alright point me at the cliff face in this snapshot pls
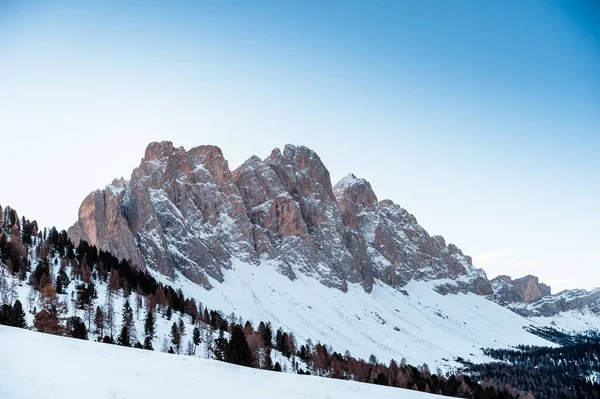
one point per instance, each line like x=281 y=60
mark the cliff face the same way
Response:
x=526 y=289
x=186 y=211
x=528 y=297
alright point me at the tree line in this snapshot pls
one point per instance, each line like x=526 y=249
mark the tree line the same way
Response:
x=550 y=373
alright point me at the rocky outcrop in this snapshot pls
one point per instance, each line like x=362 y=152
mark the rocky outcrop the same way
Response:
x=101 y=221
x=526 y=289
x=567 y=300
x=528 y=297
x=186 y=212
x=397 y=249
x=180 y=209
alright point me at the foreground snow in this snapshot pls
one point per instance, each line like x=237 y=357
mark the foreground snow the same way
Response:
x=35 y=365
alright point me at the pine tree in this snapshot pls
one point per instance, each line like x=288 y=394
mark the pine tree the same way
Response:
x=128 y=320
x=77 y=328
x=196 y=338
x=238 y=351
x=62 y=281
x=221 y=345
x=150 y=324
x=18 y=315
x=148 y=344
x=124 y=339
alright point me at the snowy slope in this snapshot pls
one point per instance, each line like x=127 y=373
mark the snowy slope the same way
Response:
x=422 y=326
x=34 y=365
x=417 y=323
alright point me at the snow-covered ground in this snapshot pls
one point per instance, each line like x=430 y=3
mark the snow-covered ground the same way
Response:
x=422 y=326
x=34 y=365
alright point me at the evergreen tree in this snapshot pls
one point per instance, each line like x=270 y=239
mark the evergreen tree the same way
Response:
x=18 y=315
x=86 y=293
x=124 y=339
x=196 y=338
x=62 y=281
x=76 y=328
x=148 y=344
x=221 y=345
x=238 y=351
x=150 y=324
x=128 y=321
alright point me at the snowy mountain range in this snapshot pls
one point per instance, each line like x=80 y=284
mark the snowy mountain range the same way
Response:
x=275 y=240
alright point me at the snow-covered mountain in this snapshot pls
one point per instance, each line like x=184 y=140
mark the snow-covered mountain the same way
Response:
x=185 y=211
x=274 y=240
x=28 y=369
x=528 y=297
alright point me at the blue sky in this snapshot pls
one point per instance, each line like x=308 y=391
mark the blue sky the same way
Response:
x=482 y=118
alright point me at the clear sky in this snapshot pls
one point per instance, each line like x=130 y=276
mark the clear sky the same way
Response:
x=482 y=118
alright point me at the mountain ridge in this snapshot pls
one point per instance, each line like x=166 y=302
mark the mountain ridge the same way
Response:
x=183 y=208
x=186 y=211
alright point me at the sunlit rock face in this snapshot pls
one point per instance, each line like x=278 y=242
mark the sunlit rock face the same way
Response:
x=186 y=211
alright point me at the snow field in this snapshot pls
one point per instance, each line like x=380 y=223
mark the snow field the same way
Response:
x=35 y=365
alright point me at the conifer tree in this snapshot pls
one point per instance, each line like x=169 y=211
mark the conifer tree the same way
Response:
x=148 y=344
x=150 y=324
x=62 y=281
x=221 y=345
x=18 y=315
x=238 y=351
x=128 y=320
x=196 y=338
x=76 y=328
x=124 y=339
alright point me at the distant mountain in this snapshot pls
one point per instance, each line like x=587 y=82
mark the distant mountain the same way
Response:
x=528 y=297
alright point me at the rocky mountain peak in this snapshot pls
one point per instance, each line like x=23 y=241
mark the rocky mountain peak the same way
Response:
x=526 y=289
x=158 y=150
x=184 y=212
x=357 y=190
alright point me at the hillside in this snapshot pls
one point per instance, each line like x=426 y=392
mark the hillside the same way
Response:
x=30 y=366
x=50 y=286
